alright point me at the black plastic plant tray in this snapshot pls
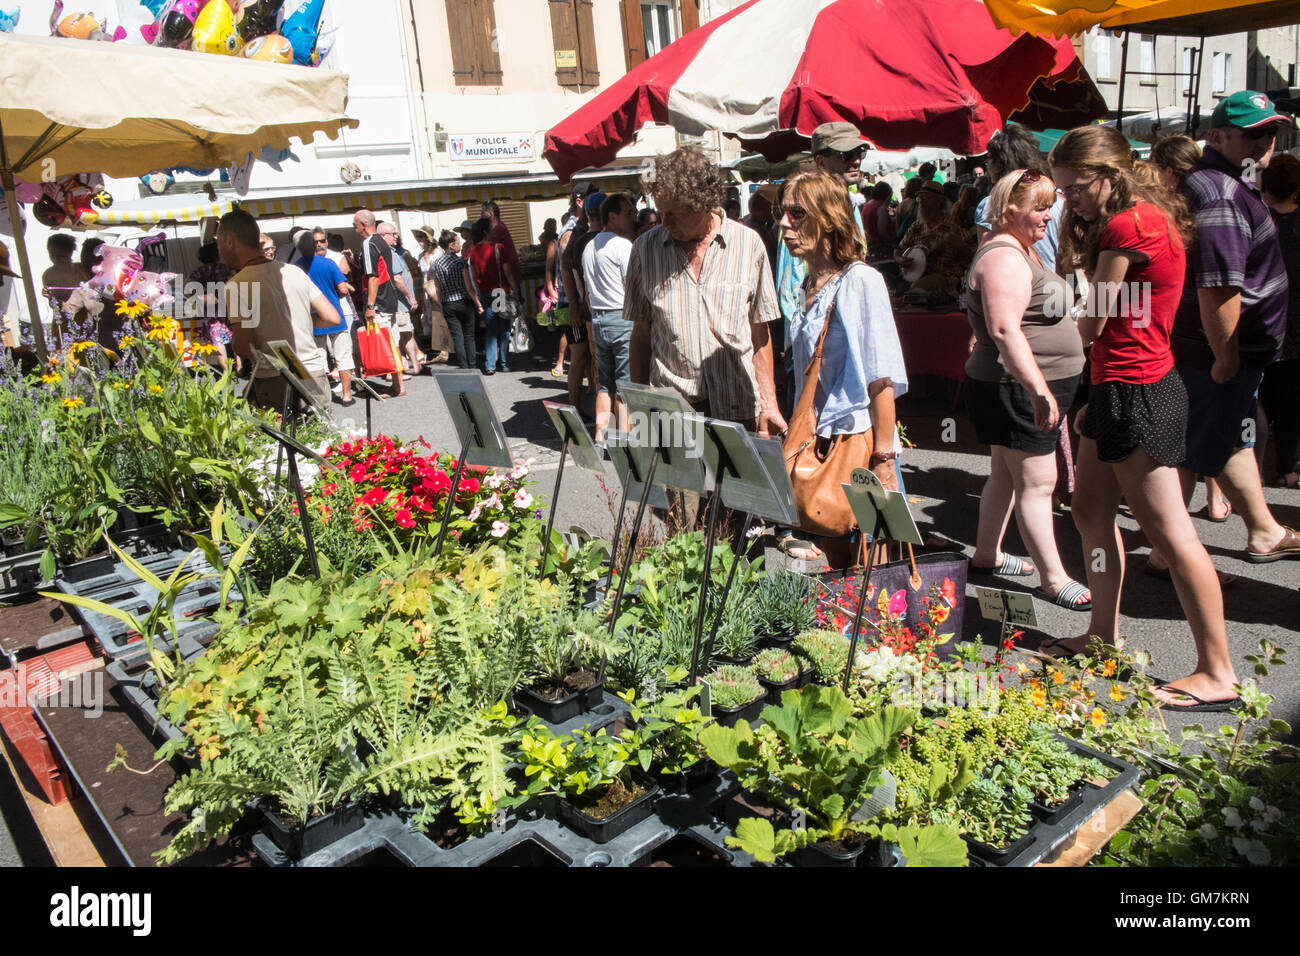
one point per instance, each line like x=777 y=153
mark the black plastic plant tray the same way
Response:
x=1047 y=837
x=609 y=709
x=130 y=674
x=20 y=576
x=579 y=703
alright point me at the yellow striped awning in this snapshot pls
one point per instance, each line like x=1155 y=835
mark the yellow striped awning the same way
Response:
x=129 y=216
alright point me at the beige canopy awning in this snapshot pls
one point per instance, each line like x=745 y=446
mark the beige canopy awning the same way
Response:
x=81 y=106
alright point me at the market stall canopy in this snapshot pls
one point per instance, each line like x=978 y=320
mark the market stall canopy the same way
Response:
x=905 y=72
x=125 y=109
x=1200 y=18
x=1050 y=137
x=428 y=195
x=1148 y=127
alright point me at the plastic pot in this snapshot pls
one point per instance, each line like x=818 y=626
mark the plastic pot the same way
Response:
x=87 y=568
x=566 y=708
x=727 y=659
x=827 y=854
x=604 y=829
x=686 y=780
x=730 y=716
x=998 y=855
x=774 y=690
x=303 y=840
x=1050 y=815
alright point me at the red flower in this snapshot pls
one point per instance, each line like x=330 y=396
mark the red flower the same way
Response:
x=329 y=488
x=358 y=473
x=469 y=485
x=374 y=496
x=404 y=519
x=437 y=483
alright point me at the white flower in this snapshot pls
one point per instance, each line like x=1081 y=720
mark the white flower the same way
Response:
x=521 y=468
x=493 y=503
x=754 y=532
x=1208 y=832
x=499 y=529
x=475 y=512
x=523 y=499
x=494 y=480
x=1231 y=817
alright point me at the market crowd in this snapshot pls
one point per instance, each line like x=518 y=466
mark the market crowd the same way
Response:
x=1134 y=324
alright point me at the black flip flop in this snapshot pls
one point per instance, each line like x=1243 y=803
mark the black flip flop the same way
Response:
x=1201 y=706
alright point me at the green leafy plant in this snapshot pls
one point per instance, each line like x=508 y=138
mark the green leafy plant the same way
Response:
x=776 y=665
x=992 y=809
x=784 y=603
x=732 y=687
x=736 y=636
x=671 y=725
x=826 y=652
x=814 y=755
x=592 y=770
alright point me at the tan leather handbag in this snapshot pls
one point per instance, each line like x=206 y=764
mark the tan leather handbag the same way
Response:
x=820 y=466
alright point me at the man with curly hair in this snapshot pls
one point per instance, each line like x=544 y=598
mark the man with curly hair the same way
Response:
x=700 y=294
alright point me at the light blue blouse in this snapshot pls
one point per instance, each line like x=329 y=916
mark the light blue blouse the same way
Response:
x=861 y=347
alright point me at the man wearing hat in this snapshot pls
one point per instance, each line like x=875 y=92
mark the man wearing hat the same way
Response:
x=837 y=148
x=1232 y=317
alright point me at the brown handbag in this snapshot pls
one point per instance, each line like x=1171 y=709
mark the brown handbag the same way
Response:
x=820 y=466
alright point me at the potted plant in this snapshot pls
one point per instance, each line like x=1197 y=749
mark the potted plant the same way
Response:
x=785 y=605
x=567 y=650
x=825 y=652
x=735 y=694
x=601 y=792
x=1057 y=776
x=992 y=814
x=778 y=670
x=823 y=764
x=670 y=725
x=736 y=639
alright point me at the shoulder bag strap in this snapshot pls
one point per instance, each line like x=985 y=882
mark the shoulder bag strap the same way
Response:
x=501 y=274
x=813 y=371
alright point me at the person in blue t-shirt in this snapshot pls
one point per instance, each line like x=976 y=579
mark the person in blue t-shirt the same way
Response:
x=329 y=278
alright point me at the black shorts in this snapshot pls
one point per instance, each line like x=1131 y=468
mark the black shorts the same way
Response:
x=1121 y=416
x=1003 y=414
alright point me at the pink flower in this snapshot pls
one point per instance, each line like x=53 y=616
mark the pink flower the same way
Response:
x=499 y=529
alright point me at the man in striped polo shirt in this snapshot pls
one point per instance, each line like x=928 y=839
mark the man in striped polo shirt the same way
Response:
x=700 y=294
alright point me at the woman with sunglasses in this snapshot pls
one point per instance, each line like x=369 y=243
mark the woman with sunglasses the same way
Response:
x=845 y=304
x=1023 y=371
x=1128 y=234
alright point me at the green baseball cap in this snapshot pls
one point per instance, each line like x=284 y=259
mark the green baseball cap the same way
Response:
x=1246 y=109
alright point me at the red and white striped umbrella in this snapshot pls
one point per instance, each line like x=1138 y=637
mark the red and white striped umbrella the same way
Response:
x=905 y=72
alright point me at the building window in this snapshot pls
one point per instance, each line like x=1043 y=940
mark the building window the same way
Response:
x=574 y=34
x=658 y=26
x=1147 y=59
x=1189 y=59
x=475 y=56
x=1222 y=69
x=650 y=25
x=1105 y=70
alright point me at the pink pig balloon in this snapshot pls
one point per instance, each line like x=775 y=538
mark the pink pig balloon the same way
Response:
x=151 y=289
x=116 y=269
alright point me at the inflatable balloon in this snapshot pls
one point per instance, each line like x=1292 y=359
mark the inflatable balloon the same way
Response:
x=214 y=30
x=176 y=23
x=28 y=193
x=102 y=199
x=138 y=24
x=271 y=48
x=9 y=19
x=81 y=26
x=158 y=182
x=116 y=268
x=300 y=25
x=154 y=7
x=259 y=18
x=150 y=288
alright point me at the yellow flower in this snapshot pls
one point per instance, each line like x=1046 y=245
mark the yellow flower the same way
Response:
x=132 y=309
x=1115 y=693
x=1058 y=677
x=1090 y=694
x=156 y=389
x=51 y=378
x=1076 y=686
x=79 y=347
x=1089 y=671
x=205 y=350
x=1058 y=705
x=1098 y=718
x=127 y=341
x=72 y=402
x=1040 y=697
x=1109 y=668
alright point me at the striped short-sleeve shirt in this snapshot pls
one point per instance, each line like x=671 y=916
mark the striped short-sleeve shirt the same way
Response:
x=701 y=330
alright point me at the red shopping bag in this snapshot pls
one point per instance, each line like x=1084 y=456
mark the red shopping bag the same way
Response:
x=378 y=355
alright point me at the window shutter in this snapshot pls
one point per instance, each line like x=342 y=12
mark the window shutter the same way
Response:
x=633 y=33
x=564 y=34
x=471 y=26
x=690 y=15
x=587 y=44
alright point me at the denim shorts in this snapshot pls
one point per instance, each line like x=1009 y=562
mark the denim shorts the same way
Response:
x=1220 y=417
x=612 y=336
